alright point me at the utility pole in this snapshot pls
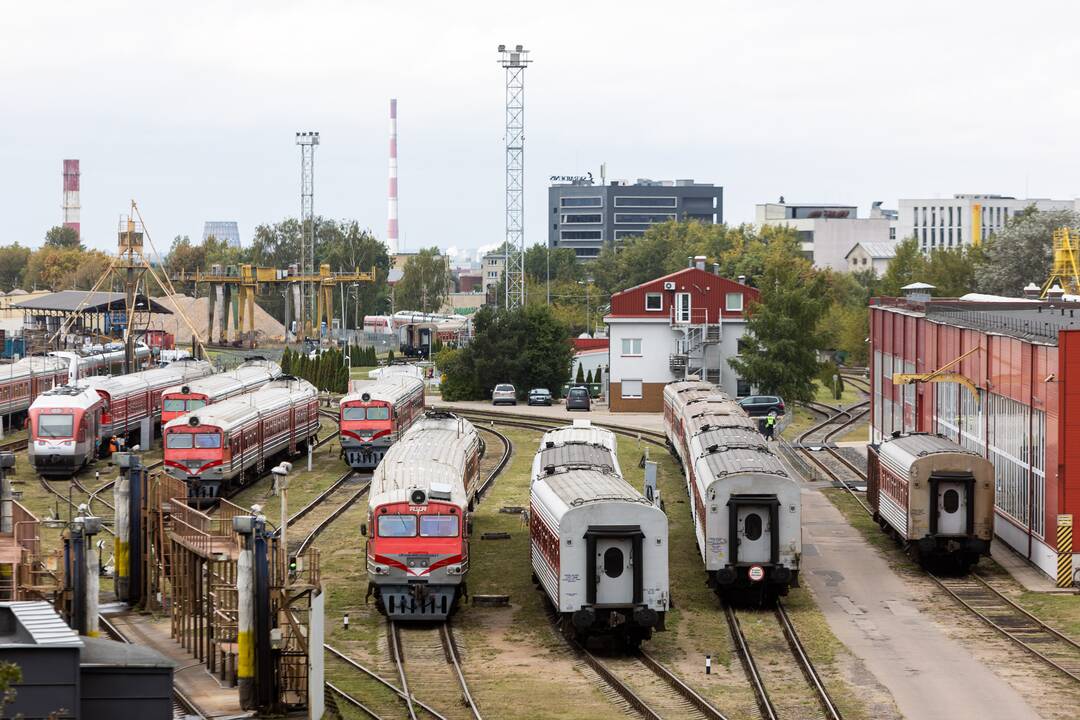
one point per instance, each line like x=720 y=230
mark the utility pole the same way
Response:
x=514 y=61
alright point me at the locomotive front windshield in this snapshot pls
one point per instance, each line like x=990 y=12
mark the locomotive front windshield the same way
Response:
x=438 y=526
x=181 y=405
x=55 y=426
x=354 y=412
x=188 y=441
x=397 y=525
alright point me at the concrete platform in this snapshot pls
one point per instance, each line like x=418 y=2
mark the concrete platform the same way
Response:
x=1030 y=577
x=599 y=413
x=213 y=698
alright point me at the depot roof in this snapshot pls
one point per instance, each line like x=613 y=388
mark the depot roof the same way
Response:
x=92 y=302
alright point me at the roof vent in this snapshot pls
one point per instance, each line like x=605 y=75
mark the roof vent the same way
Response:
x=549 y=469
x=549 y=444
x=1055 y=293
x=1031 y=290
x=699 y=262
x=918 y=291
x=439 y=491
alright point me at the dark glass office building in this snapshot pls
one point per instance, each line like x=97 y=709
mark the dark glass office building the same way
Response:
x=584 y=216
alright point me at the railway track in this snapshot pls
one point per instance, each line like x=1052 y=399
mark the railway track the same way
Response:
x=1014 y=622
x=648 y=687
x=183 y=707
x=985 y=601
x=424 y=655
x=297 y=547
x=778 y=658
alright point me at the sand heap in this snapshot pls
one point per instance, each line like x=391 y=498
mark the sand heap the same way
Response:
x=266 y=327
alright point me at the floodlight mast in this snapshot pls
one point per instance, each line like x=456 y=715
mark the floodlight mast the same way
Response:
x=514 y=61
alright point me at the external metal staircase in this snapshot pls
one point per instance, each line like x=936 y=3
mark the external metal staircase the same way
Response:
x=698 y=333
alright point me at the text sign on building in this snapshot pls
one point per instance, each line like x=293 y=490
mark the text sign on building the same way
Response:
x=1064 y=520
x=571 y=179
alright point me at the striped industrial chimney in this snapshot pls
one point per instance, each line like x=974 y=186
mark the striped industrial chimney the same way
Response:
x=391 y=218
x=71 y=195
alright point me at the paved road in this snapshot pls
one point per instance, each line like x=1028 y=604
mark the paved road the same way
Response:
x=872 y=611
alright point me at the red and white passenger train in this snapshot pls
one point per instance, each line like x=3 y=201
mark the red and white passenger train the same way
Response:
x=934 y=496
x=747 y=510
x=249 y=376
x=375 y=414
x=102 y=407
x=599 y=548
x=418 y=518
x=219 y=448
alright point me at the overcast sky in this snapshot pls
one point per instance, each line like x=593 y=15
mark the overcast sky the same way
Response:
x=191 y=109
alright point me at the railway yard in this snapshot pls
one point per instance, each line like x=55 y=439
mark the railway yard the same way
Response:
x=832 y=648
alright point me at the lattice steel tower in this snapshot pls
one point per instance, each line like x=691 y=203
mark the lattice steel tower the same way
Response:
x=515 y=61
x=307 y=142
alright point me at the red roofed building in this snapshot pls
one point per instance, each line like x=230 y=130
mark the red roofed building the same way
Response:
x=686 y=323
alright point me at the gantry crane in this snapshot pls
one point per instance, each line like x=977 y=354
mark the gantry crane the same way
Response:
x=246 y=280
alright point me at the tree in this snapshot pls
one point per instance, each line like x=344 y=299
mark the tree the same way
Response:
x=952 y=271
x=780 y=352
x=184 y=256
x=527 y=346
x=909 y=265
x=64 y=238
x=580 y=379
x=423 y=282
x=13 y=260
x=346 y=247
x=563 y=262
x=1022 y=252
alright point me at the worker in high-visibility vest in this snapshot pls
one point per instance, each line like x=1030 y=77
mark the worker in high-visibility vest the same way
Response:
x=770 y=425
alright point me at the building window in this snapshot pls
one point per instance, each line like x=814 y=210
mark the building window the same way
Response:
x=660 y=202
x=580 y=235
x=654 y=301
x=950 y=216
x=959 y=236
x=733 y=302
x=587 y=252
x=742 y=388
x=631 y=389
x=864 y=261
x=643 y=218
x=915 y=216
x=581 y=202
x=621 y=234
x=959 y=217
x=591 y=218
x=631 y=347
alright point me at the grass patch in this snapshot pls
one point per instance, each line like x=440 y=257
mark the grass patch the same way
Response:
x=360 y=372
x=859 y=432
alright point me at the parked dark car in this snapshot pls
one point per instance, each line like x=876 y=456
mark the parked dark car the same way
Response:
x=539 y=396
x=504 y=393
x=578 y=399
x=762 y=405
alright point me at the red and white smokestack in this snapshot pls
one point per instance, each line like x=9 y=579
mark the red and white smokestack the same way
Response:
x=391 y=218
x=71 y=195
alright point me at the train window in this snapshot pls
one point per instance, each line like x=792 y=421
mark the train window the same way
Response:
x=207 y=440
x=613 y=562
x=438 y=526
x=351 y=412
x=195 y=404
x=55 y=425
x=178 y=441
x=951 y=501
x=378 y=413
x=752 y=526
x=172 y=405
x=397 y=525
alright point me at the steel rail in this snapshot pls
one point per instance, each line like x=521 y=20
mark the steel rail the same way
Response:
x=615 y=683
x=508 y=448
x=321 y=496
x=1040 y=626
x=352 y=701
x=454 y=658
x=688 y=693
x=807 y=665
x=768 y=711
x=74 y=506
x=394 y=643
x=376 y=677
x=338 y=511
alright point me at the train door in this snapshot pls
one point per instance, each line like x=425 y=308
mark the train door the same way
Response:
x=952 y=507
x=754 y=533
x=614 y=570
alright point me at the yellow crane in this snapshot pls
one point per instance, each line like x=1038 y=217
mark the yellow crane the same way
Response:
x=1066 y=270
x=247 y=279
x=940 y=375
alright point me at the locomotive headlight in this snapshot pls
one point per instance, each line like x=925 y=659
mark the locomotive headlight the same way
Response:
x=453 y=569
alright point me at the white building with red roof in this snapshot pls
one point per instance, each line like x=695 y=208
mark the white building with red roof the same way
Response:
x=686 y=323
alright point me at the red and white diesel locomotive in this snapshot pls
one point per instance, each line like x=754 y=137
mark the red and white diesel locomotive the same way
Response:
x=934 y=496
x=65 y=429
x=746 y=508
x=598 y=547
x=375 y=414
x=418 y=518
x=195 y=395
x=104 y=406
x=219 y=448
